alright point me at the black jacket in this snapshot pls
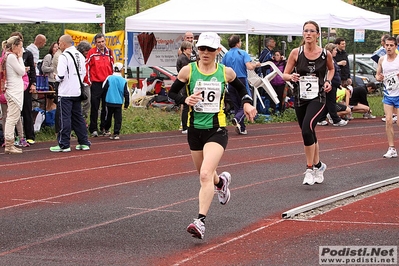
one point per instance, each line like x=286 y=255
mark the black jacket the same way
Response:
x=28 y=62
x=345 y=72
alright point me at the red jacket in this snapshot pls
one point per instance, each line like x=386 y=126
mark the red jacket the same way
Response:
x=98 y=65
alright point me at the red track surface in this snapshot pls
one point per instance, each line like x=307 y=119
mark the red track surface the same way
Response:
x=66 y=208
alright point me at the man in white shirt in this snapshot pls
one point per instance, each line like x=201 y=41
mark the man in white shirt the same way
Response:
x=69 y=102
x=40 y=42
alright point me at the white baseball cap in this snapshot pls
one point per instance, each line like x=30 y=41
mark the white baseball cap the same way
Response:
x=118 y=66
x=210 y=39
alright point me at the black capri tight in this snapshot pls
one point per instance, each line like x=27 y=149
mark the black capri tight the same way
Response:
x=308 y=114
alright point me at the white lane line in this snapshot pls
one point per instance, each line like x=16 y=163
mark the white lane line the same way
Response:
x=186 y=155
x=83 y=229
x=227 y=242
x=180 y=173
x=36 y=201
x=150 y=209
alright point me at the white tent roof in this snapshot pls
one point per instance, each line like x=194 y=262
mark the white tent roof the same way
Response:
x=50 y=11
x=284 y=17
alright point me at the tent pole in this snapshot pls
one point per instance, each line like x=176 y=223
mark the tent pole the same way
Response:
x=246 y=42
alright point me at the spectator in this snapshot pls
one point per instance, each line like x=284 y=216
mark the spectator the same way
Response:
x=239 y=61
x=83 y=47
x=387 y=71
x=116 y=90
x=99 y=64
x=184 y=58
x=188 y=37
x=331 y=106
x=14 y=94
x=48 y=66
x=278 y=82
x=266 y=55
x=186 y=49
x=358 y=100
x=40 y=42
x=310 y=100
x=342 y=60
x=69 y=97
x=207 y=133
x=27 y=105
x=342 y=103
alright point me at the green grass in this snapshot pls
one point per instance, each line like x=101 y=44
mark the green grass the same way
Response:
x=140 y=120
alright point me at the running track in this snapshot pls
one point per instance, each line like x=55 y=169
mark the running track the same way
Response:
x=128 y=202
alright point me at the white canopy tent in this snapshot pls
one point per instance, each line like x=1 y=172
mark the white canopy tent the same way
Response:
x=50 y=11
x=284 y=17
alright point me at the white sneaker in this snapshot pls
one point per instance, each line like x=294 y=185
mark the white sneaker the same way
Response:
x=309 y=177
x=341 y=123
x=224 y=192
x=391 y=153
x=319 y=178
x=322 y=123
x=330 y=119
x=368 y=115
x=197 y=229
x=394 y=118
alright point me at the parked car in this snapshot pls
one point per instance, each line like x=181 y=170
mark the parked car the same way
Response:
x=366 y=58
x=166 y=74
x=364 y=70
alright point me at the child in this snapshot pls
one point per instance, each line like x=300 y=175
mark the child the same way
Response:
x=116 y=90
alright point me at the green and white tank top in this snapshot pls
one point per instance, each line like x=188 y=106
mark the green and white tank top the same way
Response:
x=208 y=113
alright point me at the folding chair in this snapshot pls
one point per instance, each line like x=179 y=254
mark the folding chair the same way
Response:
x=258 y=82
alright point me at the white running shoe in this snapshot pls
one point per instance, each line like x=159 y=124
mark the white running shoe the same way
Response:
x=330 y=119
x=197 y=229
x=319 y=178
x=224 y=192
x=391 y=153
x=368 y=115
x=341 y=123
x=322 y=123
x=394 y=118
x=309 y=177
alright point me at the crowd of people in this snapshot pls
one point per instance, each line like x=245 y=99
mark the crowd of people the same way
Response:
x=71 y=71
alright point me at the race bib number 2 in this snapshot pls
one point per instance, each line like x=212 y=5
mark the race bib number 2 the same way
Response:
x=308 y=87
x=211 y=92
x=391 y=81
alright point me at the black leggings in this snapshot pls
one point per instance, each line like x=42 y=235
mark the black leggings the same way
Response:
x=308 y=114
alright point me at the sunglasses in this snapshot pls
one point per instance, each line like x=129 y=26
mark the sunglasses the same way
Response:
x=204 y=48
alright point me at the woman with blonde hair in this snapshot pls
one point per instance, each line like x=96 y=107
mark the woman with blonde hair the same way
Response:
x=14 y=92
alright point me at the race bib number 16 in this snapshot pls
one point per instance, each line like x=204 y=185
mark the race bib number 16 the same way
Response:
x=211 y=92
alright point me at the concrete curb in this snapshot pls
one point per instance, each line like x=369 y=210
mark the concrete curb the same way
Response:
x=340 y=196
